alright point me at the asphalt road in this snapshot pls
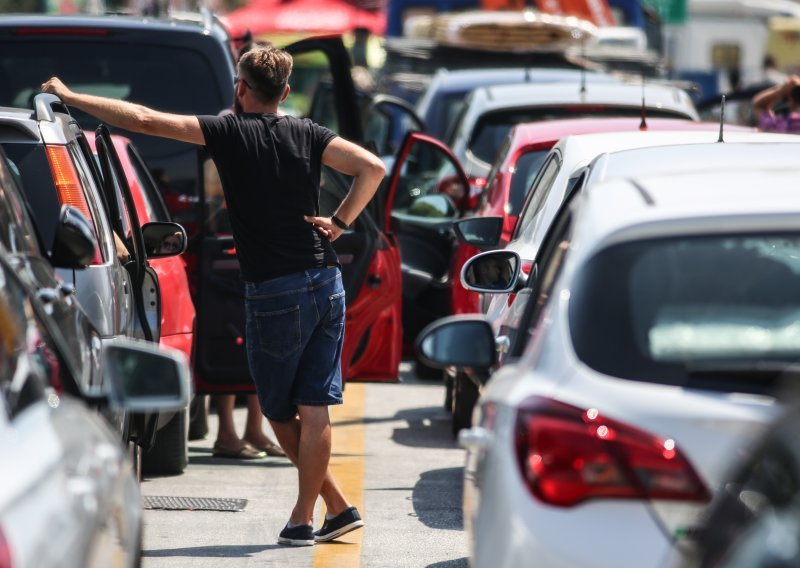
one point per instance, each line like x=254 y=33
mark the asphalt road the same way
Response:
x=394 y=456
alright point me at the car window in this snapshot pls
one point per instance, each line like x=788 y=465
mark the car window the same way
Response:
x=153 y=203
x=544 y=274
x=491 y=178
x=523 y=173
x=92 y=191
x=427 y=170
x=537 y=196
x=677 y=307
x=16 y=227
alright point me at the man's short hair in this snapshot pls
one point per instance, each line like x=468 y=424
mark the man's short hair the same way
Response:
x=266 y=69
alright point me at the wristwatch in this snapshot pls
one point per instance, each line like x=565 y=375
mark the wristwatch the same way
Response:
x=339 y=223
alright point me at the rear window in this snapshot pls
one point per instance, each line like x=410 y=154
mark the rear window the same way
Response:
x=492 y=128
x=167 y=78
x=688 y=311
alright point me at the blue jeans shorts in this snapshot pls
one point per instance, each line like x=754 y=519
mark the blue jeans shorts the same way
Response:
x=294 y=334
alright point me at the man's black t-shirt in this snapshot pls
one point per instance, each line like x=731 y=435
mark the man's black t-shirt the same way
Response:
x=270 y=166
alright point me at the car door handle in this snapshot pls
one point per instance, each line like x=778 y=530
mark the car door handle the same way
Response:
x=475 y=438
x=47 y=295
x=66 y=289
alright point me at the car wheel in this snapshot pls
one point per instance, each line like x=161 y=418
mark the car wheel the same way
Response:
x=169 y=455
x=198 y=417
x=135 y=455
x=465 y=394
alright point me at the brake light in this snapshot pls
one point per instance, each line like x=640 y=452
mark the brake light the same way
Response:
x=5 y=551
x=68 y=186
x=67 y=181
x=526 y=267
x=568 y=455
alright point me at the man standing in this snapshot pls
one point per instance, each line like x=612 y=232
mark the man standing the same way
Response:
x=270 y=167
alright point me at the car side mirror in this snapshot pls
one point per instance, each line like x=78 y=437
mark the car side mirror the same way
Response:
x=143 y=377
x=480 y=232
x=493 y=272
x=162 y=239
x=465 y=341
x=75 y=243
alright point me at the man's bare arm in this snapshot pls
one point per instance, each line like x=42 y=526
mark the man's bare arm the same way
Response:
x=764 y=100
x=130 y=116
x=367 y=170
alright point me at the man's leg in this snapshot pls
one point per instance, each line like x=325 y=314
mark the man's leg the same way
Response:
x=297 y=440
x=228 y=444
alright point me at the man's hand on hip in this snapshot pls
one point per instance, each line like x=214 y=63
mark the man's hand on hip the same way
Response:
x=325 y=227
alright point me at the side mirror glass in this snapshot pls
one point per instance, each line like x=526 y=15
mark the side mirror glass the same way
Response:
x=75 y=243
x=480 y=232
x=458 y=341
x=163 y=239
x=142 y=377
x=433 y=207
x=494 y=272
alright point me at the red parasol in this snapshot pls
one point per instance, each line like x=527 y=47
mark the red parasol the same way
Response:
x=313 y=16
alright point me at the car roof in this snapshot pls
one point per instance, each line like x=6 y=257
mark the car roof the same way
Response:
x=553 y=130
x=695 y=158
x=613 y=94
x=447 y=80
x=727 y=201
x=579 y=150
x=113 y=22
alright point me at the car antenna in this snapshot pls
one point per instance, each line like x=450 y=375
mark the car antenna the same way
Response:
x=583 y=63
x=721 y=120
x=643 y=123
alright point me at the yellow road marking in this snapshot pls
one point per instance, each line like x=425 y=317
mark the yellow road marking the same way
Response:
x=347 y=466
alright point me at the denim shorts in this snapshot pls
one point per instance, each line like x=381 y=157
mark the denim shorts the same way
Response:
x=295 y=331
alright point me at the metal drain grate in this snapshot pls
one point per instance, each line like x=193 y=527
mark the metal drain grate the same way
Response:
x=194 y=503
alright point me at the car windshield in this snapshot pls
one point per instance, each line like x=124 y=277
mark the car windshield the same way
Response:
x=492 y=127
x=669 y=310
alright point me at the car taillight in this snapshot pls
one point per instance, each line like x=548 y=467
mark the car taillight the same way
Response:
x=568 y=455
x=67 y=181
x=526 y=267
x=5 y=551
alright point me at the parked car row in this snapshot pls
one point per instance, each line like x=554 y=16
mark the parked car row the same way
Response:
x=636 y=344
x=67 y=395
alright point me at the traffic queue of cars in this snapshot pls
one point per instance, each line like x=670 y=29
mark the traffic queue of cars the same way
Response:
x=639 y=333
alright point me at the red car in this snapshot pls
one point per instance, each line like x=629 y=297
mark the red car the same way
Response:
x=169 y=454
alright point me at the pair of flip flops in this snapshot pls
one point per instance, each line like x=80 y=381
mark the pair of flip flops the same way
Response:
x=245 y=452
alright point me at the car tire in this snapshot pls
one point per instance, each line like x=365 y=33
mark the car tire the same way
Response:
x=135 y=455
x=169 y=455
x=465 y=394
x=448 y=392
x=198 y=417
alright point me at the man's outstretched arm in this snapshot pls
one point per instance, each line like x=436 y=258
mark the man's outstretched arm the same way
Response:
x=130 y=116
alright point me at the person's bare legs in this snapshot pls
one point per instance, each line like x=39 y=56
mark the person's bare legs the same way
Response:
x=254 y=431
x=307 y=443
x=226 y=431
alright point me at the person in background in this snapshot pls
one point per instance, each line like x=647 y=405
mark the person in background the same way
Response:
x=765 y=102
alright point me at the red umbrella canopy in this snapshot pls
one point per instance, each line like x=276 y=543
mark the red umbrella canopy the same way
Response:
x=313 y=16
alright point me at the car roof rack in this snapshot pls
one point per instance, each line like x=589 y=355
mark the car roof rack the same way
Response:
x=43 y=104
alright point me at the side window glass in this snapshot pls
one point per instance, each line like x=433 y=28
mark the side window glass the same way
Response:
x=544 y=274
x=491 y=178
x=428 y=185
x=16 y=225
x=216 y=220
x=94 y=200
x=330 y=193
x=156 y=209
x=537 y=196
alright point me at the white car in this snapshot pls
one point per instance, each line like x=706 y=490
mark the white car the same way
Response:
x=663 y=312
x=490 y=112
